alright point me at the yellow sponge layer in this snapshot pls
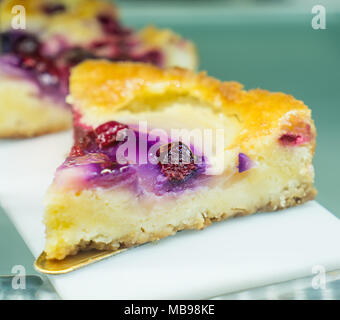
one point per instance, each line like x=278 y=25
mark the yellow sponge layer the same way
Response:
x=24 y=113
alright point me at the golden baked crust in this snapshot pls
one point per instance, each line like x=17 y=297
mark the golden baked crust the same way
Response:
x=119 y=84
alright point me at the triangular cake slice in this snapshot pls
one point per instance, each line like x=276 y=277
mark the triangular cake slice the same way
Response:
x=58 y=35
x=161 y=150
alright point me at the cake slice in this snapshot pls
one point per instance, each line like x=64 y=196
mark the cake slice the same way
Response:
x=157 y=151
x=59 y=34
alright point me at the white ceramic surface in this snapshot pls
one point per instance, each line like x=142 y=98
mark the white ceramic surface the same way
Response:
x=228 y=256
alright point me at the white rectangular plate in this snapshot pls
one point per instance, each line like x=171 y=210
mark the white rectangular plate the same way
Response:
x=228 y=256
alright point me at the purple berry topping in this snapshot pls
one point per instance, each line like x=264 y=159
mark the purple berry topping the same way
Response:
x=76 y=151
x=46 y=73
x=244 y=162
x=295 y=139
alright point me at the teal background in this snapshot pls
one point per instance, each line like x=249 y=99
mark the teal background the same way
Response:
x=271 y=46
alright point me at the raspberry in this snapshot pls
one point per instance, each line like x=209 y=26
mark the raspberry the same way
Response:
x=111 y=26
x=107 y=133
x=289 y=139
x=294 y=139
x=176 y=162
x=76 y=151
x=152 y=56
x=29 y=63
x=296 y=133
x=46 y=72
x=177 y=173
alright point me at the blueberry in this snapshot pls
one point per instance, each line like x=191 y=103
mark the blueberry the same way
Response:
x=26 y=45
x=6 y=42
x=21 y=43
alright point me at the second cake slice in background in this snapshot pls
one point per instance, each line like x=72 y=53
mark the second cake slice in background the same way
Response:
x=35 y=62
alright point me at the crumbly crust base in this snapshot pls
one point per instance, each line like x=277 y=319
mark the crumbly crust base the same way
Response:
x=15 y=133
x=306 y=192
